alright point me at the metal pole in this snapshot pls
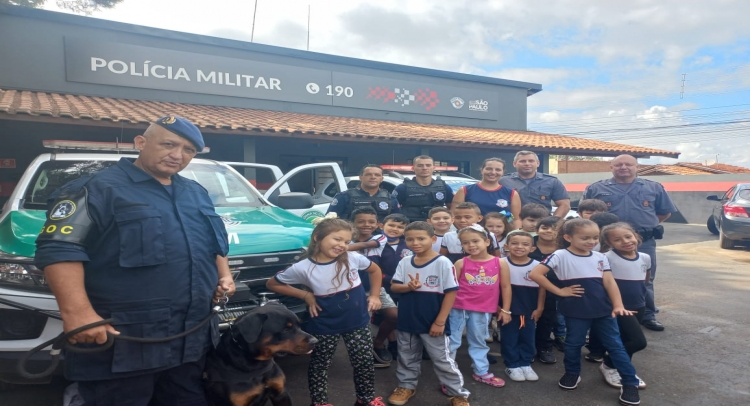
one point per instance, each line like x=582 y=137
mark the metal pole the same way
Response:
x=252 y=31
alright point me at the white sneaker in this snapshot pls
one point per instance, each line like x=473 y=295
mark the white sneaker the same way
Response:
x=641 y=384
x=516 y=374
x=529 y=374
x=611 y=376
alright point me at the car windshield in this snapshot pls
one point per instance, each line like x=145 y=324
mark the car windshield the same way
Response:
x=456 y=184
x=224 y=186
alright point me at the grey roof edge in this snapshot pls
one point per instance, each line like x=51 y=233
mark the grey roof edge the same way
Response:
x=531 y=88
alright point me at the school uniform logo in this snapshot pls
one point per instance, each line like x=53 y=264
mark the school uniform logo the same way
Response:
x=600 y=266
x=353 y=275
x=383 y=205
x=406 y=253
x=432 y=281
x=644 y=268
x=502 y=203
x=527 y=276
x=439 y=195
x=62 y=210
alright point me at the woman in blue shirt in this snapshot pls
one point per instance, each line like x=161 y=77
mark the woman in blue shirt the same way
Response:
x=490 y=195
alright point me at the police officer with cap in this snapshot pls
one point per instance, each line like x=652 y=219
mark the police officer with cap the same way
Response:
x=368 y=193
x=642 y=203
x=138 y=243
x=536 y=187
x=421 y=193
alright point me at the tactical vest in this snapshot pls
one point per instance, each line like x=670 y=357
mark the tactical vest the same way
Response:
x=381 y=202
x=421 y=199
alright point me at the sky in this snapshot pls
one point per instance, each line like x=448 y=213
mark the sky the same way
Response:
x=671 y=75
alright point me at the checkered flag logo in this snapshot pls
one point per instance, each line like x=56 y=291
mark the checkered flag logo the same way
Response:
x=381 y=93
x=427 y=98
x=403 y=96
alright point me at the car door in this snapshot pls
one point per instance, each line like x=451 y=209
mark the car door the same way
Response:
x=718 y=210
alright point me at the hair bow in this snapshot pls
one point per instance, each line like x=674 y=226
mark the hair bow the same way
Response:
x=318 y=220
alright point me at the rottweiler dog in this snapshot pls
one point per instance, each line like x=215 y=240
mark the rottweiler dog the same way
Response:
x=241 y=370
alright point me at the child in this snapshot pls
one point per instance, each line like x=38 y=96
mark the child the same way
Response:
x=498 y=225
x=631 y=270
x=517 y=344
x=393 y=252
x=589 y=207
x=548 y=324
x=481 y=276
x=464 y=215
x=427 y=284
x=531 y=213
x=373 y=247
x=441 y=220
x=338 y=307
x=589 y=299
x=602 y=220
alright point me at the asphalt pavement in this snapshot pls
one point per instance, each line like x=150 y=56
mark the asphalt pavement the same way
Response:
x=701 y=358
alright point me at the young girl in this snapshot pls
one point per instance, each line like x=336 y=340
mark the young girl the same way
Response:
x=481 y=276
x=497 y=224
x=630 y=269
x=337 y=305
x=589 y=299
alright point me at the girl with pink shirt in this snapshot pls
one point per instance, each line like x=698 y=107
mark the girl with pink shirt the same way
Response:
x=481 y=276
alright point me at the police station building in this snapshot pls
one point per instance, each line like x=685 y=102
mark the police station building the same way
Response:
x=67 y=77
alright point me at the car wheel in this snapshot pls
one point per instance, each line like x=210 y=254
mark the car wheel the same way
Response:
x=724 y=242
x=711 y=224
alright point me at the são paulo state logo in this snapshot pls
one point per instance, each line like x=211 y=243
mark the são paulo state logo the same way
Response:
x=62 y=210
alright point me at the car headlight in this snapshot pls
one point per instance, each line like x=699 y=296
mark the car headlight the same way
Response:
x=22 y=276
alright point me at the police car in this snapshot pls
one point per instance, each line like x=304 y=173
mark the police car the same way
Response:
x=263 y=237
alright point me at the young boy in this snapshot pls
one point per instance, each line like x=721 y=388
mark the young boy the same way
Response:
x=464 y=215
x=527 y=302
x=546 y=243
x=393 y=252
x=441 y=219
x=530 y=214
x=588 y=207
x=427 y=284
x=372 y=246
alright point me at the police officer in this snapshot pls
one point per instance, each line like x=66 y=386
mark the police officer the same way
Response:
x=368 y=193
x=642 y=203
x=143 y=245
x=418 y=195
x=536 y=187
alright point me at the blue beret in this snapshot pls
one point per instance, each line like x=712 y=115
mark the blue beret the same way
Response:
x=184 y=128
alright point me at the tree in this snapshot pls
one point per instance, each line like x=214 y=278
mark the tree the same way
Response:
x=76 y=6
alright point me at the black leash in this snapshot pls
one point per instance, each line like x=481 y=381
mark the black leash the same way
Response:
x=61 y=341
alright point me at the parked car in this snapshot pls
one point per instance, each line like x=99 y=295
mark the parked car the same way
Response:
x=730 y=217
x=263 y=239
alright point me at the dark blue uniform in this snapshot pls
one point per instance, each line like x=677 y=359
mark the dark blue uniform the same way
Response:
x=149 y=256
x=637 y=203
x=343 y=204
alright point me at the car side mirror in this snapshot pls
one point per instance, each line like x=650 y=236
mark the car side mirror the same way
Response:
x=294 y=201
x=713 y=198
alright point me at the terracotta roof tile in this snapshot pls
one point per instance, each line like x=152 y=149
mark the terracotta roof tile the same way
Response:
x=246 y=120
x=730 y=168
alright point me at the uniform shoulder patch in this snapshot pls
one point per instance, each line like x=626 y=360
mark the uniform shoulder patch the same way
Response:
x=62 y=210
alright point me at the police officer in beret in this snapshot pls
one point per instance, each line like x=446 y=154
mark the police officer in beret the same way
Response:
x=138 y=243
x=642 y=203
x=419 y=194
x=536 y=187
x=368 y=193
